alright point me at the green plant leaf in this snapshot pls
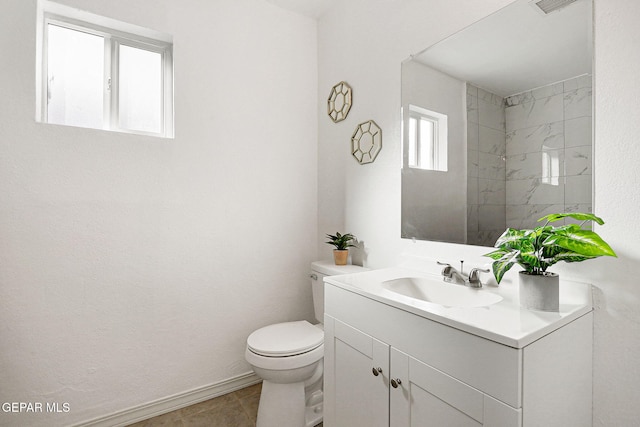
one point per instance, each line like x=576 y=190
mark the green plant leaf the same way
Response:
x=504 y=260
x=500 y=267
x=496 y=254
x=575 y=215
x=341 y=241
x=510 y=239
x=529 y=261
x=582 y=242
x=569 y=256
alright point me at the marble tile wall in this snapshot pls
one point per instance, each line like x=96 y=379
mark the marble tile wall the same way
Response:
x=548 y=151
x=528 y=155
x=486 y=168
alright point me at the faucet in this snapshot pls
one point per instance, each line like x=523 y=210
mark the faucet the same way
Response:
x=474 y=277
x=450 y=275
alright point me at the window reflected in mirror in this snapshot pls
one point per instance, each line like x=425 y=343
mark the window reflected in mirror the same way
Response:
x=427 y=139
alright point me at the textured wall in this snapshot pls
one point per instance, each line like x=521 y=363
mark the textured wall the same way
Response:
x=617 y=200
x=133 y=268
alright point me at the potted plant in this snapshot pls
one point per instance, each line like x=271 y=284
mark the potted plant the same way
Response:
x=538 y=249
x=342 y=242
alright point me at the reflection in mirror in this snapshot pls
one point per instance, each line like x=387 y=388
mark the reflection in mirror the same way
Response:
x=427 y=139
x=515 y=91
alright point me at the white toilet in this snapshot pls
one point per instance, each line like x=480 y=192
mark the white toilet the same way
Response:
x=288 y=358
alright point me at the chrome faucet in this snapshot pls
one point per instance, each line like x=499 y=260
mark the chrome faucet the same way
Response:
x=451 y=275
x=474 y=277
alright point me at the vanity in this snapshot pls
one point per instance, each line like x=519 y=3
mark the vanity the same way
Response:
x=404 y=348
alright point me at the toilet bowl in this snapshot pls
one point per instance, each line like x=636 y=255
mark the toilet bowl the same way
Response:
x=288 y=358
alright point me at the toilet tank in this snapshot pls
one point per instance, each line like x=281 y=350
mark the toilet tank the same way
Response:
x=321 y=269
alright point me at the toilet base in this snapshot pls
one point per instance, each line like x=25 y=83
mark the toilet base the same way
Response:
x=283 y=405
x=313 y=411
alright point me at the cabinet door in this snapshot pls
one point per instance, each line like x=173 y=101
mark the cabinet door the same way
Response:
x=354 y=395
x=425 y=397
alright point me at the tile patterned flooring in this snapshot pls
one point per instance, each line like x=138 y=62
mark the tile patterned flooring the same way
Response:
x=237 y=409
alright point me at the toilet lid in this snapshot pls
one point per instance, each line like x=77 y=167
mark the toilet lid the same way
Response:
x=285 y=339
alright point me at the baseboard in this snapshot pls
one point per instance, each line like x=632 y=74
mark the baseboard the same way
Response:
x=171 y=403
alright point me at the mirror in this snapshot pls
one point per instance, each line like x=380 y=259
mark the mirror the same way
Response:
x=515 y=89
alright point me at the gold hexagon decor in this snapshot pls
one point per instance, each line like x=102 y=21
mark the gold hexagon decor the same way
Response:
x=366 y=142
x=339 y=102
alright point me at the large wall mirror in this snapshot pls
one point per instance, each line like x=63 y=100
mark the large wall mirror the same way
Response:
x=497 y=124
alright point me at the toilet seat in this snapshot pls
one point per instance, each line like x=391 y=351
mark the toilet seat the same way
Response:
x=285 y=346
x=285 y=339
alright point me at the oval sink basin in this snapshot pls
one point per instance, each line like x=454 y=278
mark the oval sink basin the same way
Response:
x=440 y=292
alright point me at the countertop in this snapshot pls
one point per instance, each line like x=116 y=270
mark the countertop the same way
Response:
x=504 y=322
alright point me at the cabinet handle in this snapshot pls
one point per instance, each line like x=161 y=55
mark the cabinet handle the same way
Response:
x=313 y=276
x=376 y=371
x=395 y=382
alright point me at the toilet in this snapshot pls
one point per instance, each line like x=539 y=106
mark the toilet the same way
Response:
x=288 y=357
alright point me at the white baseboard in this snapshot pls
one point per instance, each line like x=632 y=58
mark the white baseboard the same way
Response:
x=171 y=403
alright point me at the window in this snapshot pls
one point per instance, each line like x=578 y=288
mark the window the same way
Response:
x=427 y=139
x=93 y=74
x=550 y=166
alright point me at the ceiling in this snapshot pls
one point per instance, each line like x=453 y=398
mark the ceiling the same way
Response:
x=518 y=48
x=311 y=8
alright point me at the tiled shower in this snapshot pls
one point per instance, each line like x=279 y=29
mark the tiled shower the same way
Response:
x=528 y=155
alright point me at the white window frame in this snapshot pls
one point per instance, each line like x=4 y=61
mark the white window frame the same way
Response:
x=437 y=155
x=115 y=34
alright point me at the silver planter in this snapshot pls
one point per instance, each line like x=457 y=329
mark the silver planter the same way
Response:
x=540 y=291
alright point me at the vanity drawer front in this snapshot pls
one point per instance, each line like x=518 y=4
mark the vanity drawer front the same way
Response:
x=492 y=368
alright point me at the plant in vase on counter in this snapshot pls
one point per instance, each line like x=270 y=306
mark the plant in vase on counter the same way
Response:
x=342 y=242
x=538 y=249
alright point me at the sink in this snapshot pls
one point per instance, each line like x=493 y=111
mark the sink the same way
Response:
x=440 y=292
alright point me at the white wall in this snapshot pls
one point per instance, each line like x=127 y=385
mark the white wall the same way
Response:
x=617 y=200
x=364 y=44
x=133 y=268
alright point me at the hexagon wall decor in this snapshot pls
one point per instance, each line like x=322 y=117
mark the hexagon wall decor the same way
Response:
x=339 y=102
x=366 y=142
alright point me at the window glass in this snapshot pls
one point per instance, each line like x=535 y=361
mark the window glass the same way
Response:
x=75 y=76
x=140 y=89
x=427 y=139
x=427 y=146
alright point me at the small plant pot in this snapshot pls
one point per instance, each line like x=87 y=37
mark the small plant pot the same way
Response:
x=540 y=291
x=340 y=256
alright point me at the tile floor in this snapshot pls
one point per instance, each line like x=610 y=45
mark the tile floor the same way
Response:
x=237 y=409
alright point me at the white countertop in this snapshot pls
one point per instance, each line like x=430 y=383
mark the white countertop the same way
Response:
x=504 y=322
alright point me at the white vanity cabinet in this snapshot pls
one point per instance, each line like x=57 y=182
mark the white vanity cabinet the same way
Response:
x=359 y=377
x=388 y=367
